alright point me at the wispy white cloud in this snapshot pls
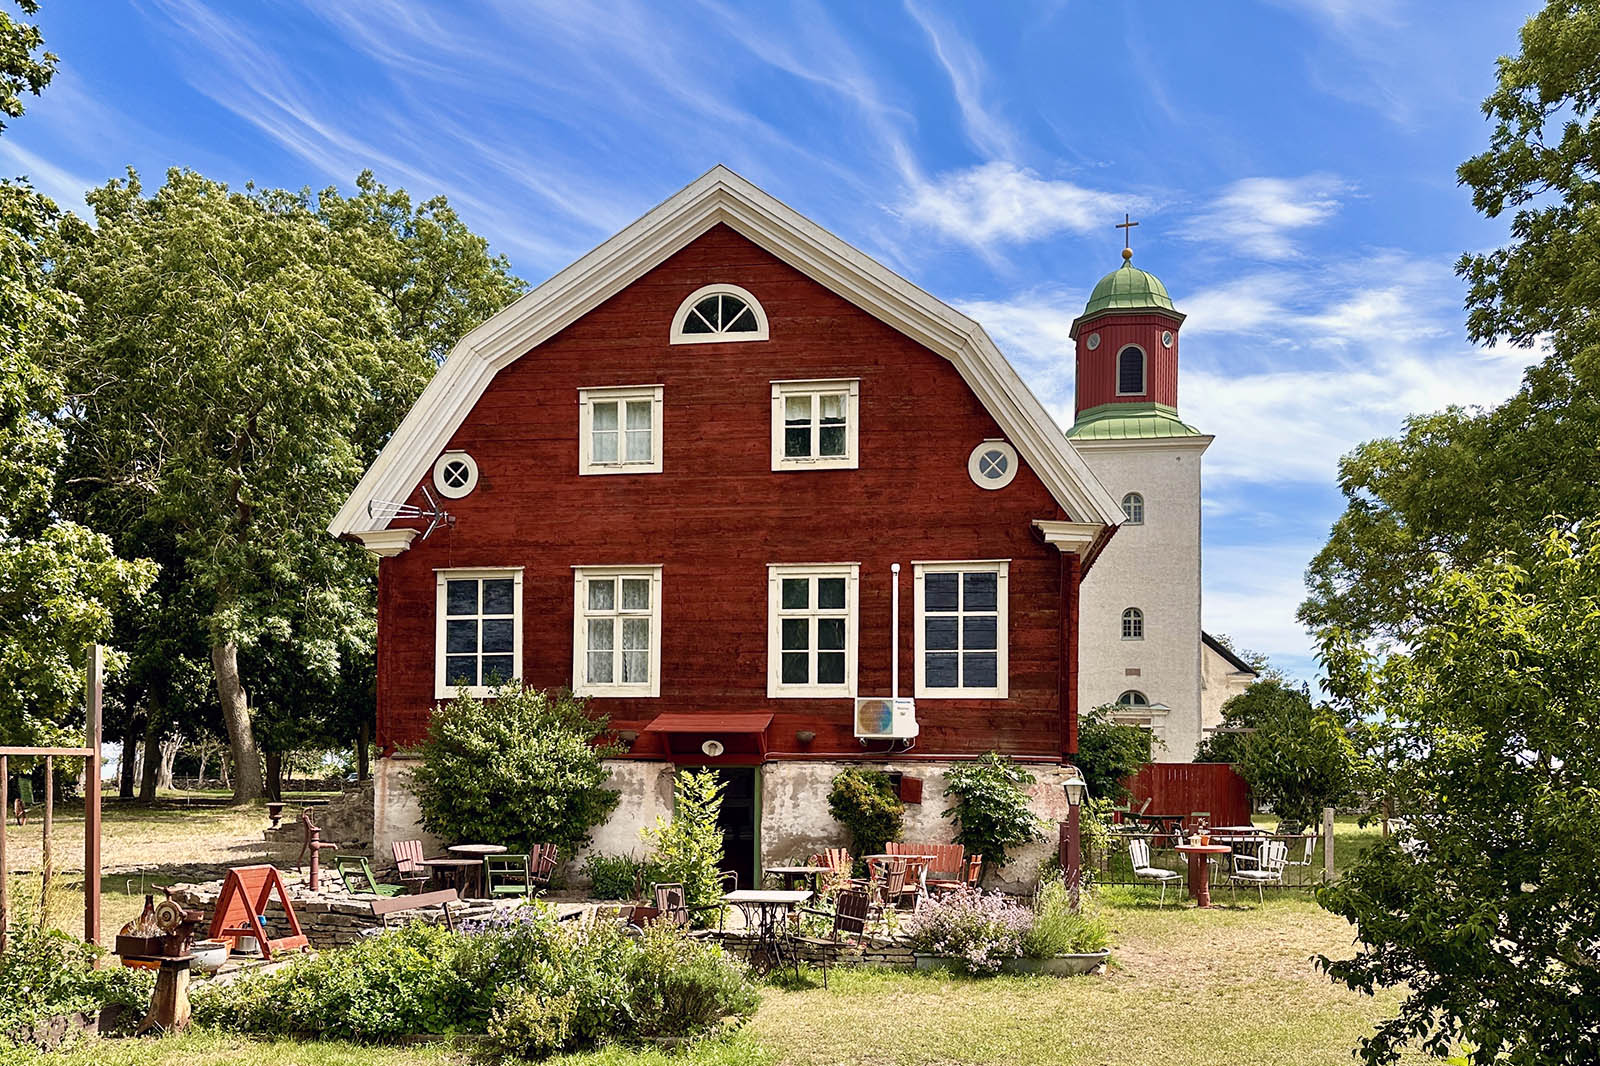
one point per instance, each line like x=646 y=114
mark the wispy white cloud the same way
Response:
x=1259 y=216
x=1000 y=202
x=58 y=183
x=963 y=65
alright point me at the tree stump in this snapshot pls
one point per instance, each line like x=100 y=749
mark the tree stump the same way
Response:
x=169 y=1006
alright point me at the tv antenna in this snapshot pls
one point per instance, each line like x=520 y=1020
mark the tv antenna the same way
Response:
x=436 y=516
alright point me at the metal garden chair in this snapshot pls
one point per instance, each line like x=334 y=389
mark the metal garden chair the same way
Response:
x=850 y=910
x=1261 y=870
x=1139 y=853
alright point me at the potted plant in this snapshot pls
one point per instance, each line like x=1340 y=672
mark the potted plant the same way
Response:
x=1061 y=940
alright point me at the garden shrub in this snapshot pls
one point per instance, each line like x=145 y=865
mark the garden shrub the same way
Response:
x=866 y=804
x=680 y=986
x=688 y=849
x=991 y=808
x=45 y=973
x=1058 y=929
x=1109 y=753
x=615 y=876
x=520 y=768
x=975 y=928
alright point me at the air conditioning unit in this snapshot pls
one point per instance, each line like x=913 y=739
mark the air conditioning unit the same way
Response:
x=878 y=718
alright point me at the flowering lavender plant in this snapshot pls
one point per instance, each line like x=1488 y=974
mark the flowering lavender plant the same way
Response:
x=977 y=928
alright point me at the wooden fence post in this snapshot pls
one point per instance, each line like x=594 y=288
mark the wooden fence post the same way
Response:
x=1327 y=843
x=48 y=842
x=95 y=669
x=5 y=871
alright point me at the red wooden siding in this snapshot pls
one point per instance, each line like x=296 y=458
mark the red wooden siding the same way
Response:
x=1097 y=370
x=1183 y=788
x=718 y=514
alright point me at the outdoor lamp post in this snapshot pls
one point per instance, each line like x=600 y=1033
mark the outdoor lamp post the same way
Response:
x=1071 y=854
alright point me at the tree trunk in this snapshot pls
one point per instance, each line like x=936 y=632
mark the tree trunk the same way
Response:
x=125 y=765
x=204 y=753
x=169 y=755
x=236 y=713
x=225 y=770
x=363 y=741
x=150 y=760
x=275 y=776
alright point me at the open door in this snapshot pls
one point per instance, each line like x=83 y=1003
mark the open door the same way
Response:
x=738 y=822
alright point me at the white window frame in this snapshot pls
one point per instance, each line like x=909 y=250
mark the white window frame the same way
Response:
x=1143 y=701
x=1138 y=504
x=975 y=464
x=620 y=395
x=1001 y=568
x=448 y=459
x=776 y=572
x=1137 y=619
x=678 y=336
x=1144 y=370
x=1146 y=716
x=782 y=390
x=442 y=689
x=580 y=630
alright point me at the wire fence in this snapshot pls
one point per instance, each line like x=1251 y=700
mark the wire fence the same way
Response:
x=1305 y=867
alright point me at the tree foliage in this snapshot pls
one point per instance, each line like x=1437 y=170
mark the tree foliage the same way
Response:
x=24 y=65
x=1109 y=753
x=1481 y=907
x=866 y=804
x=1299 y=760
x=520 y=768
x=688 y=848
x=991 y=808
x=1245 y=712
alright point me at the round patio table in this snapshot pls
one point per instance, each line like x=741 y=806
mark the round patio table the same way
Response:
x=460 y=870
x=477 y=850
x=794 y=875
x=766 y=912
x=1199 y=882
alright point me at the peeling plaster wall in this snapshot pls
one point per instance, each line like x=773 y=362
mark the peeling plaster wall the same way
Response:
x=396 y=814
x=646 y=789
x=795 y=821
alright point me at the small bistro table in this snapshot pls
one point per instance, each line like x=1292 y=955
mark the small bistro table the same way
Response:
x=794 y=875
x=1199 y=881
x=766 y=911
x=458 y=869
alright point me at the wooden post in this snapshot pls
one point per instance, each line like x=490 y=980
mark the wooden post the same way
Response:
x=1327 y=843
x=5 y=871
x=91 y=797
x=46 y=872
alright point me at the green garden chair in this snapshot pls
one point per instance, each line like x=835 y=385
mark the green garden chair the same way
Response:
x=355 y=871
x=508 y=875
x=24 y=800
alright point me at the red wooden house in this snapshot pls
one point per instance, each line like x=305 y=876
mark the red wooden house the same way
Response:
x=695 y=476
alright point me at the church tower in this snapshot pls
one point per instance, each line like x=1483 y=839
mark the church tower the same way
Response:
x=1140 y=639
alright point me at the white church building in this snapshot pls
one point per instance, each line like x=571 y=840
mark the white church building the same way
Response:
x=1141 y=645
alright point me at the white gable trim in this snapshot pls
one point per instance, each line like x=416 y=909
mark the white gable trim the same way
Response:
x=722 y=196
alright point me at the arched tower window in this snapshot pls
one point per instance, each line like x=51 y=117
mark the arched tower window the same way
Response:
x=1130 y=371
x=719 y=313
x=1133 y=698
x=1133 y=508
x=1133 y=624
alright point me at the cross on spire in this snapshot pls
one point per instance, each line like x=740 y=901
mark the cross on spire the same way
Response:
x=1126 y=226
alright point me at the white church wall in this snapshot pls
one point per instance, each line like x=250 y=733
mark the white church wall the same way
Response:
x=1155 y=567
x=1220 y=681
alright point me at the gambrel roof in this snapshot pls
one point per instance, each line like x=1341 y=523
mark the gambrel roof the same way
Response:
x=721 y=196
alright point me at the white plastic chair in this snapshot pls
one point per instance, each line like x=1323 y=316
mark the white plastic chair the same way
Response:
x=1309 y=853
x=1139 y=852
x=1262 y=869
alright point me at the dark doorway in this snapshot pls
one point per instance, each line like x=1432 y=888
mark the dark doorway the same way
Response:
x=738 y=822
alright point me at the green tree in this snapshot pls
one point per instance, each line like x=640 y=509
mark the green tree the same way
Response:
x=240 y=357
x=1481 y=906
x=1246 y=712
x=60 y=582
x=866 y=804
x=688 y=848
x=1298 y=760
x=520 y=768
x=1109 y=753
x=991 y=808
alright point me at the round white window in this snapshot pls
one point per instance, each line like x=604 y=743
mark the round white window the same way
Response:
x=1093 y=342
x=992 y=464
x=1166 y=339
x=455 y=474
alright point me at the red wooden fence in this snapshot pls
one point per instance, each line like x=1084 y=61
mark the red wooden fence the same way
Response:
x=1183 y=788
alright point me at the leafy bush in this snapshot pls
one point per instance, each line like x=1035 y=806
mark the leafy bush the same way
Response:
x=45 y=973
x=520 y=768
x=1058 y=929
x=976 y=928
x=991 y=808
x=1108 y=753
x=616 y=876
x=1299 y=760
x=866 y=804
x=688 y=849
x=534 y=985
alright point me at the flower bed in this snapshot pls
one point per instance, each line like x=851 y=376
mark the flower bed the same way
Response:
x=990 y=933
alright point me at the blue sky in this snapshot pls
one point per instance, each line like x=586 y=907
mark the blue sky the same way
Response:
x=1291 y=163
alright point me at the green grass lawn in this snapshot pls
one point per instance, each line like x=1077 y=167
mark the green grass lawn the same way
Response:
x=1230 y=987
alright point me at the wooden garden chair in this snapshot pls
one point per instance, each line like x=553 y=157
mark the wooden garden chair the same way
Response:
x=839 y=865
x=408 y=861
x=542 y=865
x=508 y=874
x=673 y=905
x=24 y=800
x=355 y=870
x=850 y=910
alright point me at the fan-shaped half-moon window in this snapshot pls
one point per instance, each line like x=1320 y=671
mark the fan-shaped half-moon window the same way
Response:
x=1130 y=371
x=719 y=313
x=1133 y=698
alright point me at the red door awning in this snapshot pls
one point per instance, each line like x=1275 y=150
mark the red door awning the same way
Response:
x=743 y=735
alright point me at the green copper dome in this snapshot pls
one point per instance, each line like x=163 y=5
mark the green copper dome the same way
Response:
x=1128 y=289
x=1130 y=421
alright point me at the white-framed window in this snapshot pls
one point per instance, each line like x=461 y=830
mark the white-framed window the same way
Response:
x=1133 y=509
x=478 y=635
x=616 y=631
x=812 y=620
x=1133 y=624
x=455 y=474
x=1135 y=710
x=816 y=425
x=619 y=430
x=992 y=464
x=1133 y=698
x=1130 y=371
x=961 y=619
x=719 y=313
